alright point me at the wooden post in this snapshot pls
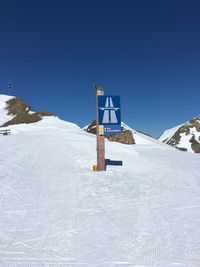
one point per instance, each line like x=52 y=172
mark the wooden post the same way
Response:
x=100 y=136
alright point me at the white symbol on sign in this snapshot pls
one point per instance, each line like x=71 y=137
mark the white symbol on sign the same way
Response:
x=109 y=115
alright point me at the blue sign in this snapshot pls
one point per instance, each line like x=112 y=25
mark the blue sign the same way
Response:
x=110 y=129
x=109 y=114
x=109 y=110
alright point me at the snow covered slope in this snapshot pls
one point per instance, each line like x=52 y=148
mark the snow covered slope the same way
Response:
x=168 y=134
x=4 y=117
x=54 y=211
x=185 y=137
x=14 y=110
x=140 y=138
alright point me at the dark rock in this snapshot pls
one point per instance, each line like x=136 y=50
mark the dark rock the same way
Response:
x=195 y=145
x=23 y=113
x=188 y=128
x=182 y=148
x=126 y=136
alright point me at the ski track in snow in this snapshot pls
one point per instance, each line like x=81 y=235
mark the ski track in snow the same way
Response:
x=56 y=212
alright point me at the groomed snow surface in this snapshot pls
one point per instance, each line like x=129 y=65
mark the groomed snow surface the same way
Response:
x=54 y=211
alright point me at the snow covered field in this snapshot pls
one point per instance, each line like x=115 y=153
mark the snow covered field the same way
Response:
x=54 y=211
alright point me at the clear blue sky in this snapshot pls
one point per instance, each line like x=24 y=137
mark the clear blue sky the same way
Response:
x=148 y=52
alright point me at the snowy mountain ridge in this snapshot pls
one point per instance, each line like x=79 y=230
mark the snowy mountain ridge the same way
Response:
x=4 y=117
x=127 y=136
x=185 y=137
x=8 y=118
x=140 y=138
x=14 y=110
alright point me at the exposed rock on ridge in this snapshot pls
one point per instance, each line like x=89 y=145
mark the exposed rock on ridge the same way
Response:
x=126 y=136
x=22 y=112
x=187 y=137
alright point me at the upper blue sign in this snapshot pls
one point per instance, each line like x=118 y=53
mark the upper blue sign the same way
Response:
x=109 y=110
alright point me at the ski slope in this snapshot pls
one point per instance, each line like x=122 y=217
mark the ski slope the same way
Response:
x=54 y=211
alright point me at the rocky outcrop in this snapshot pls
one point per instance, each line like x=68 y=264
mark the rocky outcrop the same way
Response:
x=126 y=136
x=186 y=137
x=22 y=112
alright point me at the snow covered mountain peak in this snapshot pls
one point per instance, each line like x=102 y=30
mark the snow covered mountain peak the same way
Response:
x=14 y=110
x=185 y=137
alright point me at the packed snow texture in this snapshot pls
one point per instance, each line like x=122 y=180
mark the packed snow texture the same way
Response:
x=54 y=211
